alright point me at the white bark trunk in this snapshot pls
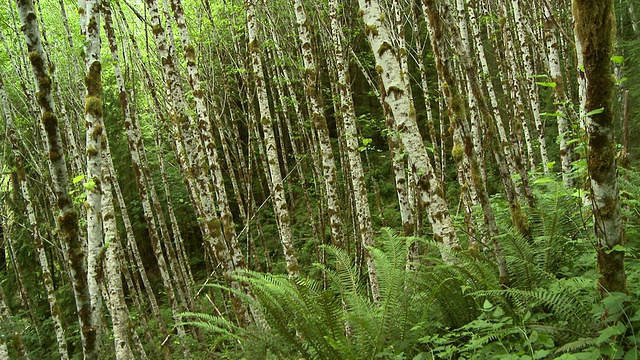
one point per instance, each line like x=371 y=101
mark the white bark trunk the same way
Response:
x=530 y=81
x=559 y=98
x=279 y=199
x=67 y=221
x=116 y=301
x=431 y=192
x=93 y=181
x=314 y=93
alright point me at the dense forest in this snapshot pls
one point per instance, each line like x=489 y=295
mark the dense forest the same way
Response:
x=275 y=179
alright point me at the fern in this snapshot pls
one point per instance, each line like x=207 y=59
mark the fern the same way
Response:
x=215 y=324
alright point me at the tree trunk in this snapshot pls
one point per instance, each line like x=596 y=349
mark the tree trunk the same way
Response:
x=67 y=221
x=316 y=98
x=559 y=99
x=431 y=192
x=34 y=227
x=280 y=206
x=595 y=29
x=93 y=182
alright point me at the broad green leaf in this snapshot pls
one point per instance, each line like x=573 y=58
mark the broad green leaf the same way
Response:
x=89 y=185
x=610 y=332
x=617 y=59
x=487 y=304
x=554 y=114
x=616 y=248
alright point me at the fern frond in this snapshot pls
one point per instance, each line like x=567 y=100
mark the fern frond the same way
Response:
x=214 y=324
x=576 y=345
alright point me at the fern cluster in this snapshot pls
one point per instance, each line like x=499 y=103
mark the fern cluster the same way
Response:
x=453 y=309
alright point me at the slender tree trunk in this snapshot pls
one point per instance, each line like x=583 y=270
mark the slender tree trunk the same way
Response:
x=430 y=189
x=56 y=314
x=559 y=99
x=93 y=182
x=595 y=29
x=116 y=300
x=67 y=219
x=530 y=81
x=314 y=93
x=280 y=206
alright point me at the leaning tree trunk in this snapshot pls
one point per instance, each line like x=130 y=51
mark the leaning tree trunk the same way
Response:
x=316 y=101
x=280 y=206
x=67 y=222
x=595 y=29
x=34 y=227
x=394 y=81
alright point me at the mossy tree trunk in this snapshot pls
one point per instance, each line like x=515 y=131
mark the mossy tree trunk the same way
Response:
x=67 y=221
x=431 y=192
x=94 y=130
x=595 y=30
x=34 y=225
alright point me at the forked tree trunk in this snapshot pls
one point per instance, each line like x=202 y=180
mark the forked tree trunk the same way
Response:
x=595 y=29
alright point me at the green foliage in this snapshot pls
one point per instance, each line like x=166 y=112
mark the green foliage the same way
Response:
x=454 y=308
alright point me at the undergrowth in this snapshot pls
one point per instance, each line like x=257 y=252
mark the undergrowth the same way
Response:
x=455 y=309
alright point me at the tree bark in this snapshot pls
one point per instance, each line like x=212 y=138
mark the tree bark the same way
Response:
x=280 y=206
x=67 y=221
x=431 y=192
x=94 y=130
x=595 y=29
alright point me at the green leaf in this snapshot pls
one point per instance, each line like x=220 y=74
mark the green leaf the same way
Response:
x=617 y=247
x=632 y=354
x=89 y=185
x=578 y=193
x=551 y=164
x=610 y=332
x=78 y=178
x=615 y=303
x=594 y=112
x=550 y=84
x=544 y=180
x=487 y=305
x=540 y=76
x=617 y=59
